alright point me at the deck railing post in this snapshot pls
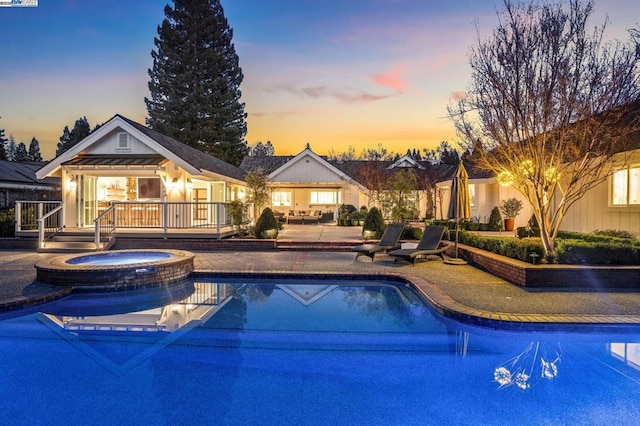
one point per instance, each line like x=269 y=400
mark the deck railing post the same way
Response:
x=165 y=217
x=18 y=218
x=218 y=219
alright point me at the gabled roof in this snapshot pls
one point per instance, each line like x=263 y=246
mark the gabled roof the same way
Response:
x=406 y=162
x=288 y=162
x=24 y=174
x=194 y=161
x=196 y=158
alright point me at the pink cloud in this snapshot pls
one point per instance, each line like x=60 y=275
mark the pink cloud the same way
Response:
x=458 y=95
x=392 y=79
x=345 y=94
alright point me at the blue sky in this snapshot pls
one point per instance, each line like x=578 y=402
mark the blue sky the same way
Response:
x=334 y=73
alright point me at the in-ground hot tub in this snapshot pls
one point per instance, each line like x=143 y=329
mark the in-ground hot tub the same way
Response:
x=117 y=269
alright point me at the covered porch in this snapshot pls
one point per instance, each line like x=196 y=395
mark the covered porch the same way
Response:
x=128 y=219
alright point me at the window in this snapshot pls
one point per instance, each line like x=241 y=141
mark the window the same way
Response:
x=472 y=194
x=325 y=197
x=123 y=141
x=281 y=198
x=625 y=188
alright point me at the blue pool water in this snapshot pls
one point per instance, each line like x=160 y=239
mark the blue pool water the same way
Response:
x=119 y=258
x=225 y=351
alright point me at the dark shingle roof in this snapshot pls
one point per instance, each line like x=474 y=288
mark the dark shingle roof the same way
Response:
x=358 y=170
x=24 y=173
x=196 y=158
x=268 y=163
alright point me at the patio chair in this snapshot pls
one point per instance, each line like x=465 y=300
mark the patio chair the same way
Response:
x=429 y=245
x=389 y=241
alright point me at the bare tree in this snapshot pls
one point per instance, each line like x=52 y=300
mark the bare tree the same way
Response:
x=552 y=104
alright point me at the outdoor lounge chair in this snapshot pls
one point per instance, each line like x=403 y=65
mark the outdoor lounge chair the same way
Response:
x=429 y=245
x=389 y=241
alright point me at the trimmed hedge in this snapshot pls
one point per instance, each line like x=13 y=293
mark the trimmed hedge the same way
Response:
x=514 y=248
x=577 y=252
x=591 y=249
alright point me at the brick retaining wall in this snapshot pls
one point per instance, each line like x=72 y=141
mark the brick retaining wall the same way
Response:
x=528 y=275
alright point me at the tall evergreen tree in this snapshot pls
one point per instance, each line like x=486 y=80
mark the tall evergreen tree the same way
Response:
x=81 y=130
x=195 y=81
x=64 y=141
x=21 y=153
x=34 y=150
x=262 y=149
x=3 y=139
x=11 y=148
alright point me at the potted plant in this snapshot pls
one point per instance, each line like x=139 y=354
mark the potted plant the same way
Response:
x=510 y=209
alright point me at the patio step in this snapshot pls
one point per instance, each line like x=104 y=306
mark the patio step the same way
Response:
x=70 y=245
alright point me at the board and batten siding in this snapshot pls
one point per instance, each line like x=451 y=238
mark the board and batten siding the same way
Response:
x=307 y=170
x=108 y=145
x=594 y=211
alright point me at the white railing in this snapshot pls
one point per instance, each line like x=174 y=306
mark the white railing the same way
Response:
x=47 y=217
x=49 y=225
x=27 y=213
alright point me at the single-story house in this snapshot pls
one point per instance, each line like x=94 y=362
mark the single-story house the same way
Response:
x=309 y=183
x=151 y=180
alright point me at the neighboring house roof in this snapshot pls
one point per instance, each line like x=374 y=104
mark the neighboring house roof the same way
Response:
x=447 y=171
x=268 y=163
x=22 y=174
x=359 y=171
x=189 y=158
x=306 y=155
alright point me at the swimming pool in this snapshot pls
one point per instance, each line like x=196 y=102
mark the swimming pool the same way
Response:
x=293 y=351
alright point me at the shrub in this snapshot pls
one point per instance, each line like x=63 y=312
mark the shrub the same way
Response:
x=495 y=220
x=236 y=211
x=511 y=207
x=266 y=225
x=527 y=232
x=345 y=209
x=615 y=233
x=600 y=253
x=374 y=222
x=411 y=233
x=505 y=246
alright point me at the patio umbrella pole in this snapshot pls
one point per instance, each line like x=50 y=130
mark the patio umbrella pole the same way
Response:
x=458 y=207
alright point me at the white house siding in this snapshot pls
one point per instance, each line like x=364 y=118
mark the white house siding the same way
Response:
x=488 y=195
x=306 y=170
x=593 y=211
x=108 y=145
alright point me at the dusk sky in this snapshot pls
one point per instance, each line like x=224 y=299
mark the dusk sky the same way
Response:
x=334 y=73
